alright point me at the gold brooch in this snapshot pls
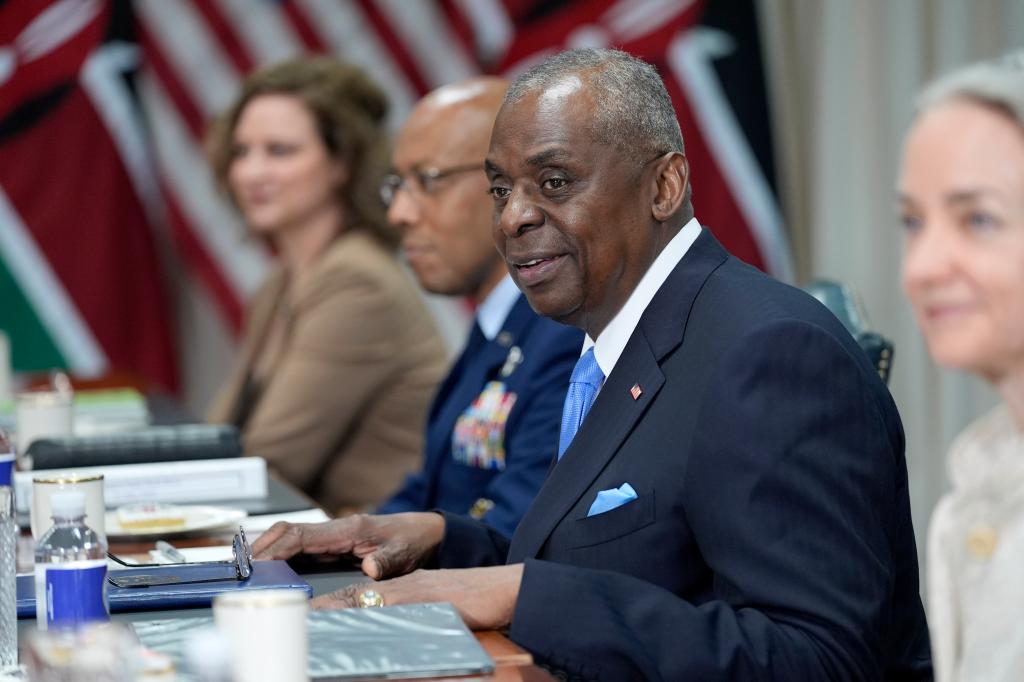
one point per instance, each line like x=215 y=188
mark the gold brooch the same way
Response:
x=982 y=540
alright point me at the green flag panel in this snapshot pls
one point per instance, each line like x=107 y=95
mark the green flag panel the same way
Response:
x=32 y=348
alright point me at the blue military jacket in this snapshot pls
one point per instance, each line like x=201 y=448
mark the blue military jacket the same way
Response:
x=493 y=426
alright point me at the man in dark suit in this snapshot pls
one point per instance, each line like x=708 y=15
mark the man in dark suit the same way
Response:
x=734 y=505
x=493 y=425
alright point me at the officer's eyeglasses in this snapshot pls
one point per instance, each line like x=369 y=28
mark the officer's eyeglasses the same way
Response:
x=423 y=182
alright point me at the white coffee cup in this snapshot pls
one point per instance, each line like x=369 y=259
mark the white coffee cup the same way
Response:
x=44 y=485
x=41 y=414
x=266 y=633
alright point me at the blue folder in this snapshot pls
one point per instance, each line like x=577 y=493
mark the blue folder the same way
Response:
x=265 y=575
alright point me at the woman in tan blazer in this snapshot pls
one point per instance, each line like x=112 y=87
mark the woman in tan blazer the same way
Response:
x=339 y=358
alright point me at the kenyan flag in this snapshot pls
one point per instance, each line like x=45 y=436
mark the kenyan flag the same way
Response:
x=80 y=284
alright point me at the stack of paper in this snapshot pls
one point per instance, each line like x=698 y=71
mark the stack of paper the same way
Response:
x=237 y=478
x=254 y=525
x=96 y=411
x=109 y=411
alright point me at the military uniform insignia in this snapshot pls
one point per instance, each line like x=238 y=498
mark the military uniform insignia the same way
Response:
x=480 y=508
x=512 y=360
x=479 y=436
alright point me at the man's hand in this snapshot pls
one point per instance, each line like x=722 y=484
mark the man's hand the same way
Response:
x=484 y=597
x=389 y=545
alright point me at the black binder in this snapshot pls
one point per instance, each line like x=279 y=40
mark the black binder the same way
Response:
x=138 y=446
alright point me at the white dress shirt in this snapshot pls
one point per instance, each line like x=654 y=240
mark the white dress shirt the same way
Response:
x=612 y=341
x=495 y=308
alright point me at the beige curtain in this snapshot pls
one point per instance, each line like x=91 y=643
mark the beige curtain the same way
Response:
x=842 y=77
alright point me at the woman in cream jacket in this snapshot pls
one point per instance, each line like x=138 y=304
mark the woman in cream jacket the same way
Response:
x=962 y=202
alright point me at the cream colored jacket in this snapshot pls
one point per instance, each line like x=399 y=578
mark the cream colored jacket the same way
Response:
x=342 y=409
x=976 y=557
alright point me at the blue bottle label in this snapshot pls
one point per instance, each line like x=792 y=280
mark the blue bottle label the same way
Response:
x=71 y=593
x=6 y=467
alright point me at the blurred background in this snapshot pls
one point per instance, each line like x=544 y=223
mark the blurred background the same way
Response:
x=118 y=256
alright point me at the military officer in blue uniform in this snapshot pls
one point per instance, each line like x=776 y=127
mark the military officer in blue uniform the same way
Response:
x=492 y=430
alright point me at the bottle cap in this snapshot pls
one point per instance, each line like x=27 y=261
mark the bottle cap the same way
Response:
x=67 y=504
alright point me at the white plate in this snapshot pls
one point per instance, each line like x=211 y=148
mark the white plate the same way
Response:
x=197 y=518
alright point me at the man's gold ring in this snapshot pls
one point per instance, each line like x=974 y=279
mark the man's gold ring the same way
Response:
x=370 y=599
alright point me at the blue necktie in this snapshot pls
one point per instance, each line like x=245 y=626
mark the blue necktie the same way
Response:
x=583 y=386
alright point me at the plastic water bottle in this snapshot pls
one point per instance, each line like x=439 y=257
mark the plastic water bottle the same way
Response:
x=71 y=567
x=8 y=559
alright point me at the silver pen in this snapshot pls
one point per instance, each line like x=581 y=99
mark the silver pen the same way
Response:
x=169 y=551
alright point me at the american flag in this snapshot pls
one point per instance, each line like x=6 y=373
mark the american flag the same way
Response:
x=104 y=107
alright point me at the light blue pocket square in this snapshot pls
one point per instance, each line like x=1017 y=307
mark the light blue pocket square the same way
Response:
x=610 y=499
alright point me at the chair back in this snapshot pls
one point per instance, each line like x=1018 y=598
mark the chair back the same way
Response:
x=839 y=299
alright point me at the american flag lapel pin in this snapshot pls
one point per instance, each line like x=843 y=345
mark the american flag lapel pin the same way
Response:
x=636 y=391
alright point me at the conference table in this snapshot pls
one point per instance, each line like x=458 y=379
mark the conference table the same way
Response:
x=512 y=663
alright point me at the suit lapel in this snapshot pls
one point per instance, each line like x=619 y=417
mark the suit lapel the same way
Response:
x=513 y=330
x=517 y=324
x=473 y=342
x=261 y=315
x=496 y=352
x=483 y=357
x=615 y=412
x=609 y=421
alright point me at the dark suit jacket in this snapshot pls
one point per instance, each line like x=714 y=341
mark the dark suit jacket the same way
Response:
x=771 y=537
x=527 y=365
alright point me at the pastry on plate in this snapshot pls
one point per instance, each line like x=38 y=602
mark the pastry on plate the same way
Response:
x=149 y=515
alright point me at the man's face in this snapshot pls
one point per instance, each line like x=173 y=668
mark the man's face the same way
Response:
x=444 y=227
x=572 y=217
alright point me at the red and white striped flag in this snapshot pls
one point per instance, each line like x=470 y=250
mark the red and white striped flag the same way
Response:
x=193 y=54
